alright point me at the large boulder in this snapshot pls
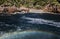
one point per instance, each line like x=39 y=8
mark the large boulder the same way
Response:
x=1 y=9
x=24 y=9
x=52 y=8
x=12 y=9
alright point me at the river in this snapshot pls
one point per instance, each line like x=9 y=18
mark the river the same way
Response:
x=31 y=22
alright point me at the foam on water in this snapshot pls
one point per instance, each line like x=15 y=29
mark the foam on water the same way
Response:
x=24 y=22
x=41 y=21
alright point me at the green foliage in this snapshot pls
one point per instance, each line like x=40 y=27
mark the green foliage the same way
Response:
x=2 y=1
x=38 y=7
x=28 y=3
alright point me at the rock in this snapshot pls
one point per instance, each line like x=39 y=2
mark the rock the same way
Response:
x=52 y=8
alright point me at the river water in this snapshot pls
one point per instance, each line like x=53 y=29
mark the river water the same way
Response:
x=33 y=22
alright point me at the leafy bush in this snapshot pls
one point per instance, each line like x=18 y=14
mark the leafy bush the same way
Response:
x=29 y=3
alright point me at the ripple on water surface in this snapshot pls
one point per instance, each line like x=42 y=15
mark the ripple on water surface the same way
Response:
x=29 y=21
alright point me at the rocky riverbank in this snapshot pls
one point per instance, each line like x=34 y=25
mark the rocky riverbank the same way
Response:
x=22 y=10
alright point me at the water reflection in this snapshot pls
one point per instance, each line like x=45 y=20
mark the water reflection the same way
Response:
x=22 y=22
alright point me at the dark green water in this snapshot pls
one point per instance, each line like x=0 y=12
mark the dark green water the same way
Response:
x=39 y=22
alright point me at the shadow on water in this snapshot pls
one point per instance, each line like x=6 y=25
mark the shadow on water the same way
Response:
x=30 y=21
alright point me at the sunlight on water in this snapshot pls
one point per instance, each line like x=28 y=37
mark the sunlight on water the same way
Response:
x=41 y=21
x=16 y=26
x=29 y=35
